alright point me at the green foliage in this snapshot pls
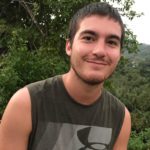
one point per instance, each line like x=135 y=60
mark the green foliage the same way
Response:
x=140 y=141
x=130 y=84
x=20 y=66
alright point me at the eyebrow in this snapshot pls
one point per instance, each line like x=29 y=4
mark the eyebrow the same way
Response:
x=89 y=32
x=114 y=36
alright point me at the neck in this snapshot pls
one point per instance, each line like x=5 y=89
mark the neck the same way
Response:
x=80 y=91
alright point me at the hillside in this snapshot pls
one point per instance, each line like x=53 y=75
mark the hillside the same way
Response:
x=142 y=55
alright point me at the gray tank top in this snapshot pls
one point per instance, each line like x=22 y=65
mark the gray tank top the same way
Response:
x=60 y=123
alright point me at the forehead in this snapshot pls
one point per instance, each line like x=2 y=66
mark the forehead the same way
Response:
x=102 y=25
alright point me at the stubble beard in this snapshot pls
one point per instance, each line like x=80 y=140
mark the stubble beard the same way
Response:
x=91 y=80
x=88 y=81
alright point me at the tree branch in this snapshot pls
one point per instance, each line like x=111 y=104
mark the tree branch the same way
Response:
x=26 y=7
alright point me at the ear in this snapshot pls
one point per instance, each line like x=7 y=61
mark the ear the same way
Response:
x=68 y=47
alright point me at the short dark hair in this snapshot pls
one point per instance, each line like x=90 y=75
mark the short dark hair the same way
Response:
x=97 y=8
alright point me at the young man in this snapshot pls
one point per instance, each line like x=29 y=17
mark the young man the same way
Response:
x=73 y=111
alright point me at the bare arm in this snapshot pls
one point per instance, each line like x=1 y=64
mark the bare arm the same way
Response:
x=123 y=138
x=16 y=125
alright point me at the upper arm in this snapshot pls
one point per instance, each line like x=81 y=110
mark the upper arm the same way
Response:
x=16 y=125
x=123 y=138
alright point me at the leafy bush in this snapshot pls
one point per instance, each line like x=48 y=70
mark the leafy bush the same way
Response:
x=140 y=141
x=20 y=66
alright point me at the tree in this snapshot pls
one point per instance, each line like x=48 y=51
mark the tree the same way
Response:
x=33 y=34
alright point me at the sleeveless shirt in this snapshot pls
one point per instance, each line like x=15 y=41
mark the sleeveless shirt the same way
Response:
x=60 y=123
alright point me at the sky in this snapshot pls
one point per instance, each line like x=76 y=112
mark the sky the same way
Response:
x=141 y=26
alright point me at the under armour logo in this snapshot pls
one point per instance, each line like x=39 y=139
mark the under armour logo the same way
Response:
x=83 y=135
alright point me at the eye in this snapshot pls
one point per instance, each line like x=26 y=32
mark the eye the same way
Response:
x=113 y=43
x=88 y=38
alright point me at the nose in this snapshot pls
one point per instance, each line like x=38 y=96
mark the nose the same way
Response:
x=100 y=48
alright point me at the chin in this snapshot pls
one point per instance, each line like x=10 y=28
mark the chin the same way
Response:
x=94 y=82
x=92 y=79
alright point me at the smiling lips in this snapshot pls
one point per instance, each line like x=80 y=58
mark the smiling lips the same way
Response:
x=97 y=62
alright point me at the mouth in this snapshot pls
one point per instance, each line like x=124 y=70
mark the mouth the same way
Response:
x=97 y=62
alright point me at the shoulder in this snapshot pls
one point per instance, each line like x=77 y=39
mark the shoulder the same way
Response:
x=18 y=104
x=114 y=102
x=43 y=84
x=16 y=121
x=20 y=99
x=124 y=119
x=124 y=135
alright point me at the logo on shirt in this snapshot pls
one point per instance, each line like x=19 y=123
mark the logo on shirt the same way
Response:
x=66 y=136
x=84 y=134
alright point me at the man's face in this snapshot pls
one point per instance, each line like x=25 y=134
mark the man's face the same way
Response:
x=95 y=50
